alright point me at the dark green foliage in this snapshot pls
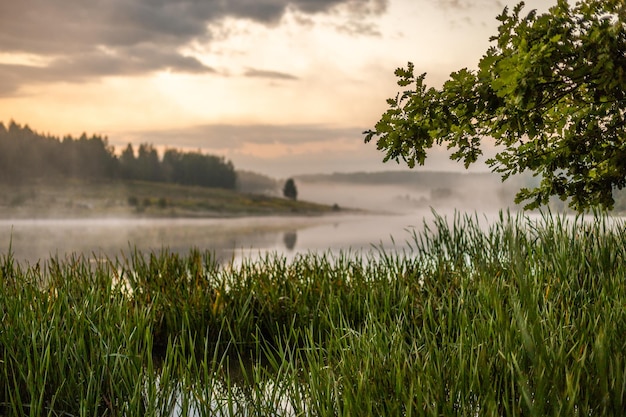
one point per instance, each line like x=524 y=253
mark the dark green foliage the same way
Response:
x=289 y=190
x=195 y=168
x=26 y=155
x=551 y=94
x=127 y=163
x=148 y=166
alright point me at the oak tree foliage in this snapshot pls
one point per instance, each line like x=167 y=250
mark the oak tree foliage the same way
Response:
x=550 y=92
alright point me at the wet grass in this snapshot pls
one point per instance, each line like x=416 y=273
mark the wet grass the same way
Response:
x=522 y=318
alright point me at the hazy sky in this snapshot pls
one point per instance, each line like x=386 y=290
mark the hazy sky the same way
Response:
x=281 y=87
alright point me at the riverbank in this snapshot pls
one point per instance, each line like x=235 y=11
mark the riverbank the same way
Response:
x=92 y=199
x=525 y=318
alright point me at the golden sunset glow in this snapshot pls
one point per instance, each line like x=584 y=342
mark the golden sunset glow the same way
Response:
x=306 y=64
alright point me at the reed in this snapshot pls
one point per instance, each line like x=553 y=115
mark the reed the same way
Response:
x=518 y=316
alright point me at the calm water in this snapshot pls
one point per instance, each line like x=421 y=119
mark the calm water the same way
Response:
x=36 y=239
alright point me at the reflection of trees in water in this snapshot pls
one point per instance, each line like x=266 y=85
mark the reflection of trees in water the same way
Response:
x=290 y=238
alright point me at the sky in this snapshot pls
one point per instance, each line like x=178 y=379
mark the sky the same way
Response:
x=279 y=87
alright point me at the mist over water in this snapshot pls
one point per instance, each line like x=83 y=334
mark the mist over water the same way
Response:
x=33 y=240
x=389 y=216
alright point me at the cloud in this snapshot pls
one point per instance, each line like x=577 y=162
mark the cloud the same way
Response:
x=221 y=136
x=356 y=27
x=464 y=13
x=82 y=67
x=253 y=72
x=459 y=4
x=126 y=37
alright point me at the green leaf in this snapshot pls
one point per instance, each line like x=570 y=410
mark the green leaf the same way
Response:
x=550 y=91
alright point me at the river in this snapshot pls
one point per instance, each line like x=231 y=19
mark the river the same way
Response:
x=393 y=211
x=31 y=240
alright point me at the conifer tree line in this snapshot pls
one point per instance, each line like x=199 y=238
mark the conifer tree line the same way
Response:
x=27 y=155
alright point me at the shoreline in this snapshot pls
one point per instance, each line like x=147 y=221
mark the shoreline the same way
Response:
x=135 y=199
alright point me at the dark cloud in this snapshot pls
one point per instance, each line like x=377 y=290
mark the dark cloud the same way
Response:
x=81 y=67
x=119 y=37
x=277 y=75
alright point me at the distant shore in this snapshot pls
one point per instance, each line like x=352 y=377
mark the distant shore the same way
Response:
x=137 y=199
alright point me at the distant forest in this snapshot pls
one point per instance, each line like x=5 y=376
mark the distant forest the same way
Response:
x=26 y=155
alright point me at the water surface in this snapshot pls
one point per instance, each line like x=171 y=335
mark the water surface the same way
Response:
x=31 y=240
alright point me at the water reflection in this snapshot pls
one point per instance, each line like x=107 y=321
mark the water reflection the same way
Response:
x=32 y=240
x=290 y=238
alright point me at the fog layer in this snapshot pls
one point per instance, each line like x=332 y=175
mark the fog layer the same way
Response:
x=387 y=215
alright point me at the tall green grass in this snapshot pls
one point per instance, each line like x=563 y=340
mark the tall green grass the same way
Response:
x=518 y=316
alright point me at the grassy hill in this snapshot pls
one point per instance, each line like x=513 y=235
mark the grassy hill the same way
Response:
x=75 y=198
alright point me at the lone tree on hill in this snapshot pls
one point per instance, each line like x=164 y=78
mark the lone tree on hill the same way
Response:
x=289 y=190
x=550 y=92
